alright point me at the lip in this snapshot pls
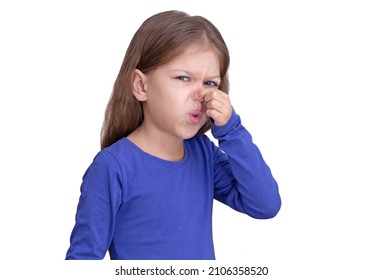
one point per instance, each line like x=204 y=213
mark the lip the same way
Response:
x=195 y=116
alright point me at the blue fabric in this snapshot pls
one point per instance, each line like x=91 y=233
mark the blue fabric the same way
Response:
x=141 y=207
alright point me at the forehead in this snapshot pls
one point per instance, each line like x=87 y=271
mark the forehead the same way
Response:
x=196 y=56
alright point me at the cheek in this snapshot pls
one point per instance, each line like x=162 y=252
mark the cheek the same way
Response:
x=180 y=100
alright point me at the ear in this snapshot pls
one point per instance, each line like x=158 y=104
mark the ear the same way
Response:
x=139 y=85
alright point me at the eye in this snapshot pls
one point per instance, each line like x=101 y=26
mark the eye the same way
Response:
x=210 y=84
x=183 y=78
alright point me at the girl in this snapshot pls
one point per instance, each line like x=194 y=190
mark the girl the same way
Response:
x=149 y=192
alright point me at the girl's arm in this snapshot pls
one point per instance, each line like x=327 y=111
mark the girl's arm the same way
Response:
x=99 y=201
x=242 y=178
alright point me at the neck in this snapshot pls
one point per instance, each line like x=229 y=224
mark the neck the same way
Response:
x=159 y=145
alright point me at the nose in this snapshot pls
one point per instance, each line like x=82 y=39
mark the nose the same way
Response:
x=198 y=95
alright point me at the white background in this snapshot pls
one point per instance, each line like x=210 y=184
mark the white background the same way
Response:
x=306 y=78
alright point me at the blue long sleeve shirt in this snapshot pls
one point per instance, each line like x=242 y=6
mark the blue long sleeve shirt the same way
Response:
x=137 y=206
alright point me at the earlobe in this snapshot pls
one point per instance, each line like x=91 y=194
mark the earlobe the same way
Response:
x=139 y=86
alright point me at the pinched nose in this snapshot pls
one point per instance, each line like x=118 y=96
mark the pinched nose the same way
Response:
x=198 y=96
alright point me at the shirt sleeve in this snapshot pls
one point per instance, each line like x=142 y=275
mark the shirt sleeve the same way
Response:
x=243 y=180
x=99 y=201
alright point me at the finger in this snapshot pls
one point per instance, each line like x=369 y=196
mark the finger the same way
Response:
x=218 y=107
x=220 y=118
x=217 y=100
x=214 y=104
x=217 y=95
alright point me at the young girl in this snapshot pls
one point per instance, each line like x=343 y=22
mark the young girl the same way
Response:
x=149 y=192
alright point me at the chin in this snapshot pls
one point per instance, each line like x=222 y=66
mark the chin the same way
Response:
x=191 y=131
x=189 y=134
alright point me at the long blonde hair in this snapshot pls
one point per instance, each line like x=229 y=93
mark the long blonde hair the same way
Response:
x=159 y=39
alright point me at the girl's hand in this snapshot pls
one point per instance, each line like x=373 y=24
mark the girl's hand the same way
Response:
x=217 y=104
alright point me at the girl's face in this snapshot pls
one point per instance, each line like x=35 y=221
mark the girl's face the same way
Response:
x=171 y=107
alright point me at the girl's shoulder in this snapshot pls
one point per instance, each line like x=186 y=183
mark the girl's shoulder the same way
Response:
x=114 y=153
x=203 y=142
